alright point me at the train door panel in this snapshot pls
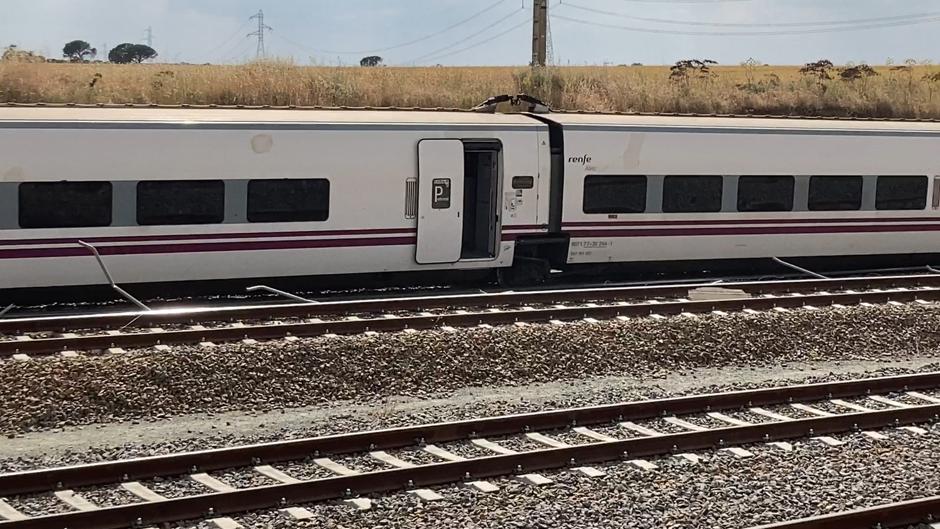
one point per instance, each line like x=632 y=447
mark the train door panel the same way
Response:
x=459 y=201
x=440 y=201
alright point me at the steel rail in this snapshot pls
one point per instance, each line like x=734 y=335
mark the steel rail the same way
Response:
x=444 y=473
x=188 y=315
x=901 y=514
x=319 y=328
x=268 y=453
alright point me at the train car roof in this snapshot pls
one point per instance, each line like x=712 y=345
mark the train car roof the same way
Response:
x=13 y=113
x=575 y=121
x=143 y=115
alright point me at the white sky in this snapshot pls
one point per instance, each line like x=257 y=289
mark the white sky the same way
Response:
x=315 y=31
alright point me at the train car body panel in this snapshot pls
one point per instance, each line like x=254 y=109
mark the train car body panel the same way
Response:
x=193 y=195
x=368 y=161
x=725 y=149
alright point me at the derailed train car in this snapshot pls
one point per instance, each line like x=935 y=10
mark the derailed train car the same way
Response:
x=202 y=195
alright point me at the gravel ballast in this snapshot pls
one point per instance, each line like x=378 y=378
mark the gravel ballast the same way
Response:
x=79 y=445
x=55 y=392
x=724 y=492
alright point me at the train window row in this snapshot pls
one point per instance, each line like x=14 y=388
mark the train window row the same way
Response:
x=169 y=203
x=624 y=194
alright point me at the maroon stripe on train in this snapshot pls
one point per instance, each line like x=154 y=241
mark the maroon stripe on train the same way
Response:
x=225 y=236
x=217 y=236
x=724 y=222
x=34 y=253
x=771 y=230
x=151 y=249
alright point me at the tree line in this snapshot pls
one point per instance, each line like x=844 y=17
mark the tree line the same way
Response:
x=126 y=53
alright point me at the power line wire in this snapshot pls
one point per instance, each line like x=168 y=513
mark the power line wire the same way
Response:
x=433 y=54
x=670 y=2
x=748 y=33
x=228 y=40
x=407 y=43
x=294 y=43
x=241 y=51
x=751 y=25
x=481 y=43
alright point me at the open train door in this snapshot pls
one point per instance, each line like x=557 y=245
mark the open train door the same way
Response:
x=440 y=201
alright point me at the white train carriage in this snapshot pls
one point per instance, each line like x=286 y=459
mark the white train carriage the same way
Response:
x=194 y=195
x=672 y=189
x=197 y=195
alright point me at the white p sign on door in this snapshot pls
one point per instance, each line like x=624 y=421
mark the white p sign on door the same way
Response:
x=441 y=193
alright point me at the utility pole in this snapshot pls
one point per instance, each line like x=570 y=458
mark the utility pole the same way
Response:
x=149 y=36
x=260 y=33
x=539 y=32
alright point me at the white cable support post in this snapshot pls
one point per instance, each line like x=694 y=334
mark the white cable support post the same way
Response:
x=110 y=279
x=7 y=310
x=798 y=269
x=288 y=295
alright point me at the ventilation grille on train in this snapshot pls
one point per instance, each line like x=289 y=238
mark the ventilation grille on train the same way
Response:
x=411 y=198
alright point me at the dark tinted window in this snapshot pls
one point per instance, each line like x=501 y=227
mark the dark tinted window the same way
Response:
x=765 y=193
x=523 y=182
x=835 y=193
x=692 y=194
x=901 y=192
x=64 y=204
x=289 y=200
x=614 y=194
x=180 y=202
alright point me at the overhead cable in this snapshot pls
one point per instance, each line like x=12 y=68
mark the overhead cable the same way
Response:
x=752 y=25
x=440 y=51
x=837 y=29
x=668 y=2
x=214 y=51
x=429 y=36
x=478 y=44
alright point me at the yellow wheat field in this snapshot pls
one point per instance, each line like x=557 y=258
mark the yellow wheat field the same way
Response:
x=908 y=92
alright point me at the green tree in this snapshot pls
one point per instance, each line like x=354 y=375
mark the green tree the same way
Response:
x=372 y=60
x=127 y=53
x=79 y=51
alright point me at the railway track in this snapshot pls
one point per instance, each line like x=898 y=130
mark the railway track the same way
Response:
x=161 y=329
x=901 y=514
x=286 y=475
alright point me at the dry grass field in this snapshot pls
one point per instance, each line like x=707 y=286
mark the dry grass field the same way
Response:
x=909 y=92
